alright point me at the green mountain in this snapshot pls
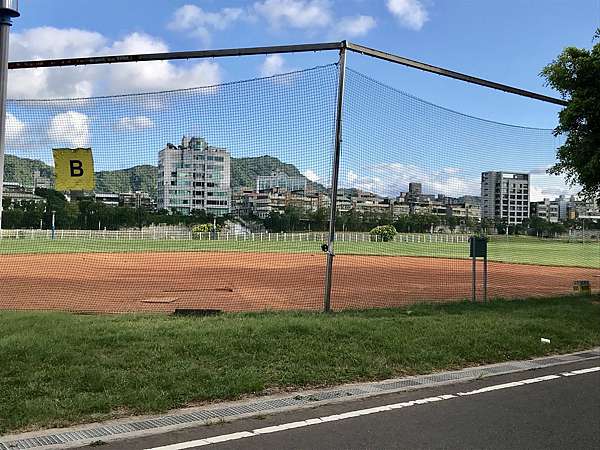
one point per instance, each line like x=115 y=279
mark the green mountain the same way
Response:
x=245 y=170
x=137 y=178
x=20 y=170
x=144 y=178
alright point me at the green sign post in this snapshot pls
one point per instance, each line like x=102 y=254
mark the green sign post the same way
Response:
x=478 y=249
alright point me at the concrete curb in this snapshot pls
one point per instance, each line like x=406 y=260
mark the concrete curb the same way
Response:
x=191 y=417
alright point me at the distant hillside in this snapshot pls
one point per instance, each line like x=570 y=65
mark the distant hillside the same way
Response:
x=138 y=178
x=244 y=171
x=144 y=178
x=20 y=170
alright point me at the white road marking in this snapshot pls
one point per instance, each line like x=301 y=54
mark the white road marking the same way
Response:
x=364 y=412
x=510 y=385
x=581 y=371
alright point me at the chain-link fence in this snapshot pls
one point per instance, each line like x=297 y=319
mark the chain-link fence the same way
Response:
x=219 y=198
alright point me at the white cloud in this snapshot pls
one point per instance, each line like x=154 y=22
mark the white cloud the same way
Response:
x=351 y=176
x=543 y=185
x=15 y=129
x=50 y=42
x=70 y=129
x=46 y=43
x=119 y=78
x=200 y=23
x=451 y=170
x=155 y=75
x=411 y=13
x=137 y=123
x=393 y=178
x=312 y=175
x=273 y=65
x=354 y=26
x=304 y=14
x=313 y=15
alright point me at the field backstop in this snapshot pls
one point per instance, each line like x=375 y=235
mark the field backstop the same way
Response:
x=321 y=188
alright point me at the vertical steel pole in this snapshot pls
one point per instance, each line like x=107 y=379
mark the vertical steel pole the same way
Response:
x=5 y=24
x=335 y=176
x=8 y=10
x=485 y=278
x=474 y=287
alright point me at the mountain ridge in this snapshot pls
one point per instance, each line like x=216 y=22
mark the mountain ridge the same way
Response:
x=145 y=177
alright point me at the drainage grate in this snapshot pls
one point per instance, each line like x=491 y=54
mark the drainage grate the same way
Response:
x=551 y=361
x=443 y=377
x=397 y=385
x=592 y=354
x=504 y=368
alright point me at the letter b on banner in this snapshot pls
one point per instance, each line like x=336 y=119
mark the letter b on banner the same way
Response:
x=74 y=169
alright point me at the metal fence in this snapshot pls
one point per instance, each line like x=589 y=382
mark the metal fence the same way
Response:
x=159 y=234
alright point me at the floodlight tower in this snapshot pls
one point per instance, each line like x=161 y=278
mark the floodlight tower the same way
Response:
x=9 y=9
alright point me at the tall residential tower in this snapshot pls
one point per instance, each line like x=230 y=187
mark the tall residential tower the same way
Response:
x=194 y=176
x=505 y=195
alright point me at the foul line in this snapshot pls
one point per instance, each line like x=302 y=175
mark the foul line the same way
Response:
x=365 y=412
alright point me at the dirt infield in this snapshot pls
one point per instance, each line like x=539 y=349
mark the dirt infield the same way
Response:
x=163 y=282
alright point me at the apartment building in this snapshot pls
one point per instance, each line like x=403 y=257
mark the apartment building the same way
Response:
x=194 y=176
x=505 y=195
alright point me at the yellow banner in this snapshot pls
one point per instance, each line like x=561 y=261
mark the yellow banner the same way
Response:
x=74 y=169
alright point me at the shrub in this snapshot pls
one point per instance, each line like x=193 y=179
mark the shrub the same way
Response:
x=197 y=230
x=203 y=228
x=385 y=232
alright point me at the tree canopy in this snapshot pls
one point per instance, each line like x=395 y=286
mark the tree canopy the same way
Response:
x=575 y=73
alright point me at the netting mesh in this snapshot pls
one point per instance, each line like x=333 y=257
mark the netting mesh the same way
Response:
x=218 y=198
x=419 y=167
x=169 y=166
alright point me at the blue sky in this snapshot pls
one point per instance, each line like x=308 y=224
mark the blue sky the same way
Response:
x=506 y=41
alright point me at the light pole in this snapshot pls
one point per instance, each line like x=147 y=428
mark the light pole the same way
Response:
x=8 y=10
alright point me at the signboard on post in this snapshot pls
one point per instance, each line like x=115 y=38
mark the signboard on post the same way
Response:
x=478 y=249
x=74 y=169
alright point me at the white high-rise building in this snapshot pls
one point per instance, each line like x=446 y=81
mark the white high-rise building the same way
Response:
x=194 y=176
x=505 y=195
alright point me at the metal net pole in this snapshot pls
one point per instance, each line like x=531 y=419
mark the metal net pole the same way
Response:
x=5 y=24
x=334 y=178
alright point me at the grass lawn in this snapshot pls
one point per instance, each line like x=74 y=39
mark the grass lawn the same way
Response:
x=58 y=369
x=516 y=250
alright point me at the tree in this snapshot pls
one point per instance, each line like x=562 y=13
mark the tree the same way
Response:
x=452 y=222
x=575 y=73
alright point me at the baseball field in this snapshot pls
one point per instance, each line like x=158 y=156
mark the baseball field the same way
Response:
x=94 y=275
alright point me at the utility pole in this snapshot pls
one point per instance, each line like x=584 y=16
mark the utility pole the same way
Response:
x=9 y=9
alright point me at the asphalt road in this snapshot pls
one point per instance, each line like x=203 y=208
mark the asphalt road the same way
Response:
x=561 y=412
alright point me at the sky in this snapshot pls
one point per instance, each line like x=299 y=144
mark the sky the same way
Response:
x=506 y=41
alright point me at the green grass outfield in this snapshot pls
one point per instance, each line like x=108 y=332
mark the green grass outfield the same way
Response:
x=513 y=250
x=58 y=369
